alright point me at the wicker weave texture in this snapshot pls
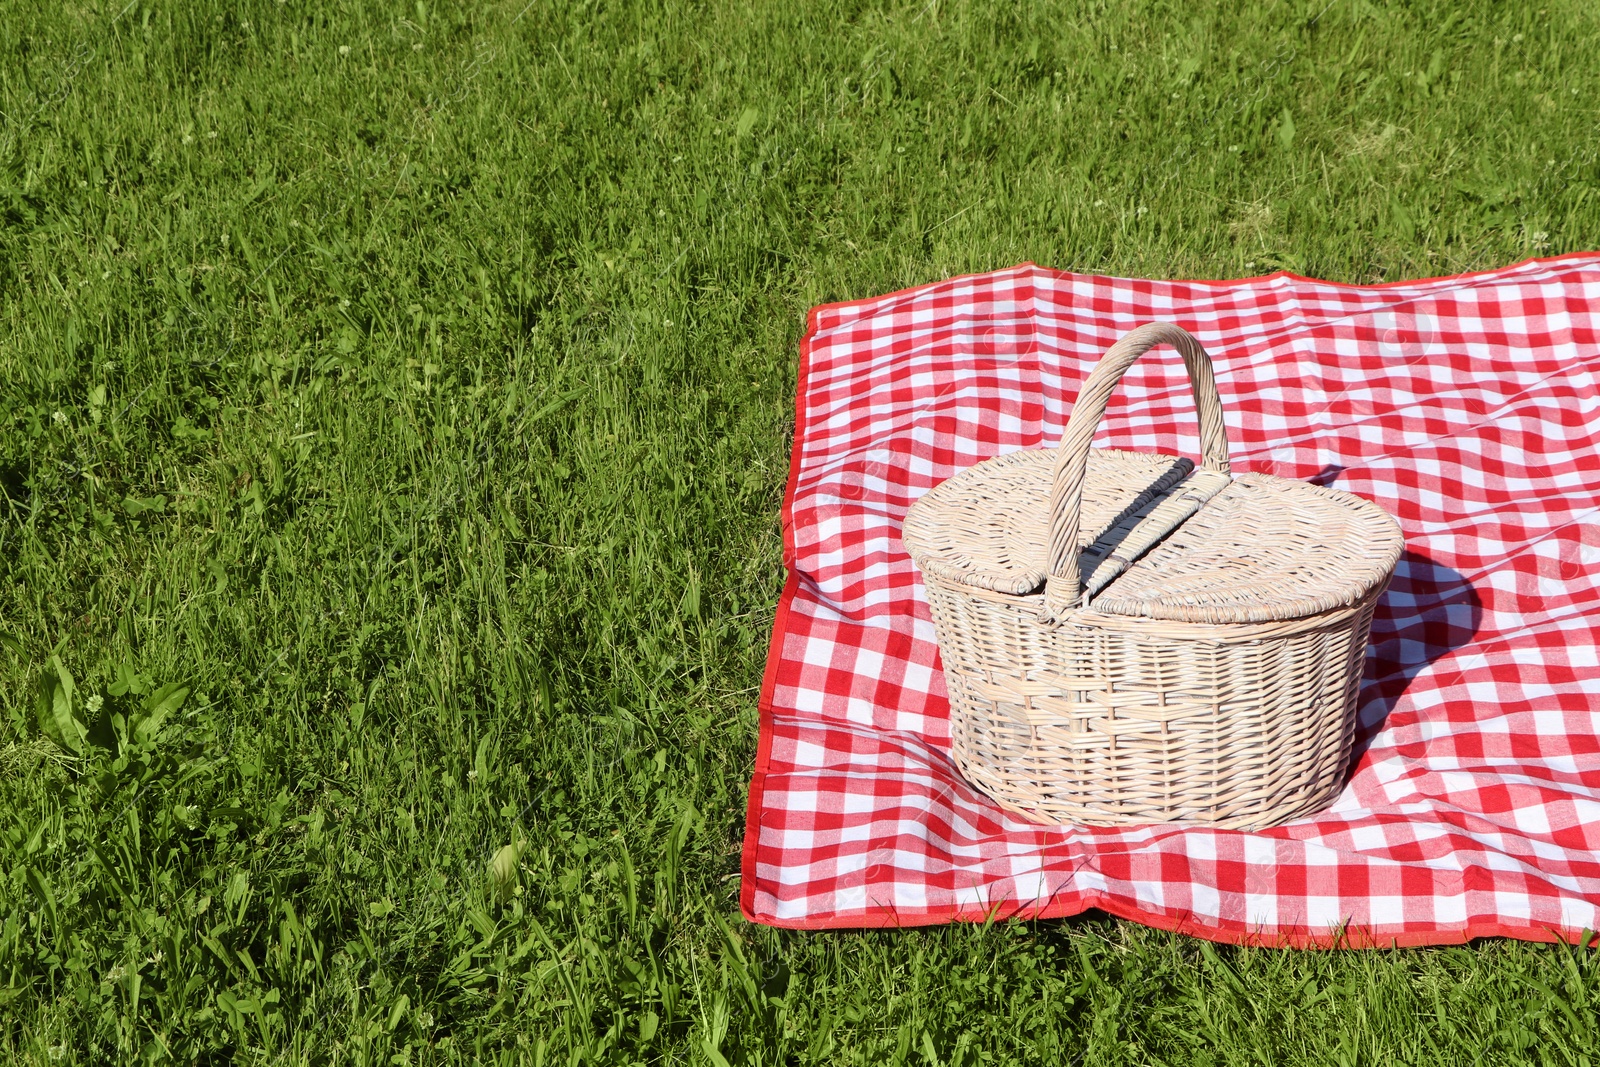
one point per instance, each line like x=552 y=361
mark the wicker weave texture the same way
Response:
x=1108 y=720
x=1128 y=640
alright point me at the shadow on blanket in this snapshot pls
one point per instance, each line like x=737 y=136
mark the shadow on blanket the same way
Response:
x=1428 y=611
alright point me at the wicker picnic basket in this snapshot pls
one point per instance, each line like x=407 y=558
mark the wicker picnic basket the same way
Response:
x=1127 y=639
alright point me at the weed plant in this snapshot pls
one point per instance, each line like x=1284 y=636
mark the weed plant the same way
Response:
x=394 y=415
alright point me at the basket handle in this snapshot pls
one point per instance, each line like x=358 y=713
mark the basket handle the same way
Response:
x=1063 y=589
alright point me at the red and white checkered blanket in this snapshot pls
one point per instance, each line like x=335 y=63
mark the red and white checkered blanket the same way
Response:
x=1469 y=407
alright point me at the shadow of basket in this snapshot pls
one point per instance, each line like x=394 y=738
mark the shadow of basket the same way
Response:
x=1428 y=611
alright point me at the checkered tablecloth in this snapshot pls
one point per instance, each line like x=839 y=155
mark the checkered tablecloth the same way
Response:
x=1469 y=407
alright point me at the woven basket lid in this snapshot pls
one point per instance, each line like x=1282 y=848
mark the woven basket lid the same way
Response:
x=1258 y=550
x=984 y=527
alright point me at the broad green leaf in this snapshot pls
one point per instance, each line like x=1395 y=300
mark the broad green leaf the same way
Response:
x=40 y=884
x=136 y=506
x=398 y=1012
x=503 y=867
x=128 y=681
x=55 y=709
x=553 y=406
x=480 y=763
x=158 y=707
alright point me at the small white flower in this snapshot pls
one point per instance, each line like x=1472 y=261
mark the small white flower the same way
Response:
x=344 y=50
x=1099 y=203
x=212 y=135
x=188 y=138
x=59 y=418
x=418 y=47
x=93 y=705
x=1516 y=38
x=1250 y=265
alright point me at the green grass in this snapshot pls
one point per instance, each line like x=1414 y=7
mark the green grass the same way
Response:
x=423 y=410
